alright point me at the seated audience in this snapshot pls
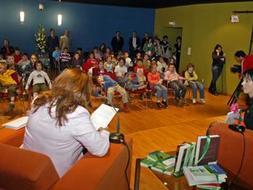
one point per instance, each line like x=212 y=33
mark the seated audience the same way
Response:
x=6 y=49
x=90 y=62
x=24 y=67
x=10 y=62
x=149 y=47
x=77 y=61
x=34 y=58
x=191 y=79
x=135 y=81
x=137 y=57
x=109 y=65
x=80 y=51
x=146 y=62
x=161 y=65
x=97 y=54
x=128 y=60
x=173 y=81
x=120 y=72
x=111 y=86
x=8 y=83
x=59 y=123
x=39 y=78
x=155 y=82
x=65 y=59
x=56 y=54
x=140 y=67
x=17 y=55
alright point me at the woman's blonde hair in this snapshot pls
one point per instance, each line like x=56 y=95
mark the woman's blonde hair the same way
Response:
x=70 y=89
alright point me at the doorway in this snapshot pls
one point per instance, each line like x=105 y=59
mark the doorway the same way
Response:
x=173 y=34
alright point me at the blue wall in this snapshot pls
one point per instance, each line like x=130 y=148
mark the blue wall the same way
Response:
x=89 y=25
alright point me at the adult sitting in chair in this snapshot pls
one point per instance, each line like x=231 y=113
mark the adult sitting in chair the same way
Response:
x=59 y=125
x=8 y=83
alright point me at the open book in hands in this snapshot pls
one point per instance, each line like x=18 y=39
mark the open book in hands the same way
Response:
x=103 y=115
x=17 y=123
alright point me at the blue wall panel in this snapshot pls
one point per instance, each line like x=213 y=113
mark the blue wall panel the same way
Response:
x=89 y=25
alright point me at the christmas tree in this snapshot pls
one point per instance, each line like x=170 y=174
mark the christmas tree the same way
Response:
x=40 y=38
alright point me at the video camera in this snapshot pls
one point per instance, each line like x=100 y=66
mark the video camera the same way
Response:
x=236 y=69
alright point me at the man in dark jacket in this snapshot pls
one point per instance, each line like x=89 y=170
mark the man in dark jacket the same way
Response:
x=52 y=42
x=134 y=45
x=117 y=43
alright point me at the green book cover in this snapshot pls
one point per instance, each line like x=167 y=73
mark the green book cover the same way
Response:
x=160 y=167
x=147 y=162
x=158 y=156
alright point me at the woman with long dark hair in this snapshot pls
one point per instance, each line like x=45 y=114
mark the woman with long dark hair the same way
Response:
x=59 y=124
x=218 y=57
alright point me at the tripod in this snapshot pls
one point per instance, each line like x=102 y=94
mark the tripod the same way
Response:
x=235 y=96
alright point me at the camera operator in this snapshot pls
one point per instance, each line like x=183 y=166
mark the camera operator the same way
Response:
x=239 y=57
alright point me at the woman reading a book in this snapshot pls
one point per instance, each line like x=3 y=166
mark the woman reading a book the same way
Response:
x=59 y=124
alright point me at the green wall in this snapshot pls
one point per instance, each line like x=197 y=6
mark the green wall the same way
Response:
x=204 y=26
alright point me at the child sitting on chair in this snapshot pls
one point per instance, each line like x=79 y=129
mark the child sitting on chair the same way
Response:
x=111 y=86
x=191 y=79
x=136 y=81
x=120 y=72
x=39 y=78
x=109 y=65
x=155 y=82
x=8 y=83
x=173 y=81
x=140 y=67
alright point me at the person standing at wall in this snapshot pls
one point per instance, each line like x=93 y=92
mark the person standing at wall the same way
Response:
x=6 y=49
x=144 y=40
x=117 y=43
x=177 y=47
x=65 y=41
x=166 y=50
x=52 y=43
x=218 y=57
x=134 y=44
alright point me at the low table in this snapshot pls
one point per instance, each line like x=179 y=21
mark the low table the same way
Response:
x=171 y=182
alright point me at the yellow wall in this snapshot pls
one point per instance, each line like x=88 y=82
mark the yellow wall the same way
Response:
x=204 y=26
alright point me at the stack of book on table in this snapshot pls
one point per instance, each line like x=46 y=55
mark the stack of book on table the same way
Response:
x=159 y=161
x=191 y=154
x=208 y=176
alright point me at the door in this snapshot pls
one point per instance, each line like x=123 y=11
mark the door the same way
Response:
x=174 y=34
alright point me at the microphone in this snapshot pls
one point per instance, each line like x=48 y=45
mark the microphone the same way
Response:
x=237 y=128
x=117 y=137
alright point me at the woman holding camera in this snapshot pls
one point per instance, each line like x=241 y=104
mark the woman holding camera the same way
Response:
x=218 y=57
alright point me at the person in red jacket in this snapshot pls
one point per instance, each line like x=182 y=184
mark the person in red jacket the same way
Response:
x=155 y=82
x=17 y=55
x=140 y=67
x=90 y=62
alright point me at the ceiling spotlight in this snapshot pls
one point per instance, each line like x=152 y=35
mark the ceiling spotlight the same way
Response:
x=22 y=16
x=59 y=19
x=41 y=6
